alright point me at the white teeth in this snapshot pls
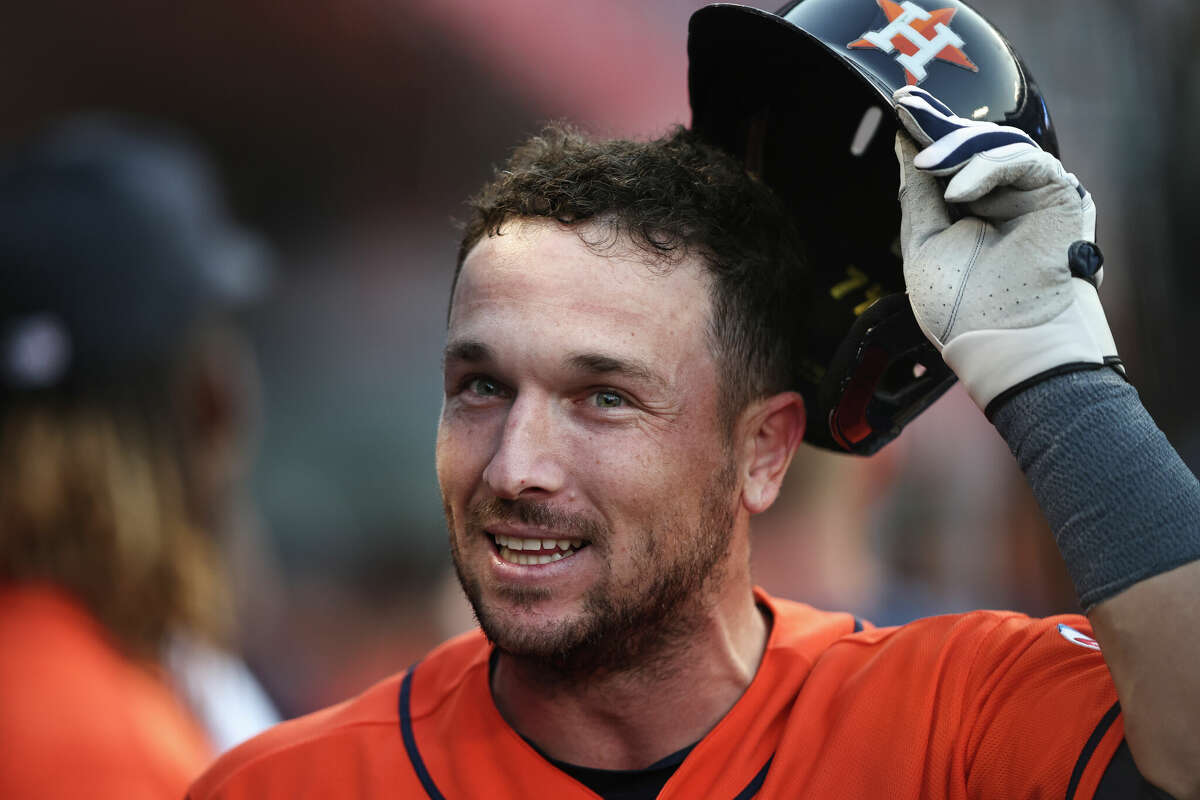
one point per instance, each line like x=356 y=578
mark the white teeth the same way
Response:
x=529 y=559
x=518 y=544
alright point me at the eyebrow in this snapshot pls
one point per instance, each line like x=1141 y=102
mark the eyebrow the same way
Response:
x=468 y=350
x=602 y=364
x=472 y=351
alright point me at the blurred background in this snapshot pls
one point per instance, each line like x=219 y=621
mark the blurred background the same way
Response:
x=349 y=133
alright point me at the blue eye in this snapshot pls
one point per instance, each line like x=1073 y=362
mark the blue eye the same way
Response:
x=484 y=387
x=608 y=400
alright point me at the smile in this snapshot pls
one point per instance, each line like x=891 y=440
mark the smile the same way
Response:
x=533 y=552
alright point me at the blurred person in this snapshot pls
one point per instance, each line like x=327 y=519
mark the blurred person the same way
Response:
x=619 y=377
x=126 y=404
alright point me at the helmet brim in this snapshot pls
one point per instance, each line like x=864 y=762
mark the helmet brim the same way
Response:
x=729 y=39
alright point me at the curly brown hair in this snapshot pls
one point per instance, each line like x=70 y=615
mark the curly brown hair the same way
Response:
x=671 y=197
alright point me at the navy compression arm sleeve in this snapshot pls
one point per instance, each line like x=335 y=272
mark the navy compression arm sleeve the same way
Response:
x=1122 y=504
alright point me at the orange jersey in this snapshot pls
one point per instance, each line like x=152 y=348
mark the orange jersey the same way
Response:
x=77 y=718
x=980 y=705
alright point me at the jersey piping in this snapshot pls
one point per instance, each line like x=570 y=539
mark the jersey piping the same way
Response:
x=410 y=741
x=756 y=784
x=1089 y=748
x=950 y=706
x=427 y=783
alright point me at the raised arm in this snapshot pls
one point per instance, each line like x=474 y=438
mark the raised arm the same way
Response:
x=1007 y=292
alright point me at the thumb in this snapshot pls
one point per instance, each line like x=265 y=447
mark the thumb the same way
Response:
x=923 y=212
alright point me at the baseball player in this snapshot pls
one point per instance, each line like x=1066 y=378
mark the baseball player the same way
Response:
x=622 y=350
x=123 y=430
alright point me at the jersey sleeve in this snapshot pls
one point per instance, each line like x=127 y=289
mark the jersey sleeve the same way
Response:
x=1040 y=711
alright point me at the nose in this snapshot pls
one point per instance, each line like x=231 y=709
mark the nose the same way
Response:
x=526 y=461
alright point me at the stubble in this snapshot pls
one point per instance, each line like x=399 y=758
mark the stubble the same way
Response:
x=624 y=627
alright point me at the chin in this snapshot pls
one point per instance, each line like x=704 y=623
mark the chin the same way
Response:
x=566 y=649
x=528 y=621
x=532 y=626
x=573 y=645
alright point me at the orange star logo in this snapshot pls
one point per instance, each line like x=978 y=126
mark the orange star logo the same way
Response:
x=919 y=36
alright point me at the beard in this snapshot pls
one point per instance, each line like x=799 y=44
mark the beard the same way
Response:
x=625 y=627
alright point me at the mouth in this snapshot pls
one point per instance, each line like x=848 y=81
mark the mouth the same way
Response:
x=528 y=552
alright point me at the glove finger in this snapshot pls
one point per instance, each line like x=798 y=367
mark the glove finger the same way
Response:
x=951 y=152
x=1004 y=203
x=949 y=140
x=1088 y=227
x=923 y=212
x=1017 y=165
x=1005 y=183
x=1088 y=230
x=925 y=117
x=917 y=92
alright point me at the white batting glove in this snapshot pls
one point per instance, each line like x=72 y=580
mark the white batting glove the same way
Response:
x=1007 y=293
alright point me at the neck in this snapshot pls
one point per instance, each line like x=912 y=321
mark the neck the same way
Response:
x=630 y=719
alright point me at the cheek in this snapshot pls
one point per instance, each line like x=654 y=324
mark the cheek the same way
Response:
x=460 y=456
x=650 y=479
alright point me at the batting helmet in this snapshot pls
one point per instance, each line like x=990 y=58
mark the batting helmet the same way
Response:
x=804 y=98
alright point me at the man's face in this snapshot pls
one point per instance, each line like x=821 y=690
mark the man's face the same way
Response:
x=587 y=479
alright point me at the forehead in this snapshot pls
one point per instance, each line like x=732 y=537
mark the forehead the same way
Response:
x=541 y=276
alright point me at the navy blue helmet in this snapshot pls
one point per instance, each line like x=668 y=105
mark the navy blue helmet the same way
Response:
x=803 y=98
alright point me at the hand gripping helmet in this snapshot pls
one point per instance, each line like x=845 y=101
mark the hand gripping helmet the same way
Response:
x=803 y=98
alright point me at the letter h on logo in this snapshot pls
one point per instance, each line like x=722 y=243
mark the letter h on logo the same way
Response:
x=926 y=49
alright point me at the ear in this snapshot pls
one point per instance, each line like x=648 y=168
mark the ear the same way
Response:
x=774 y=429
